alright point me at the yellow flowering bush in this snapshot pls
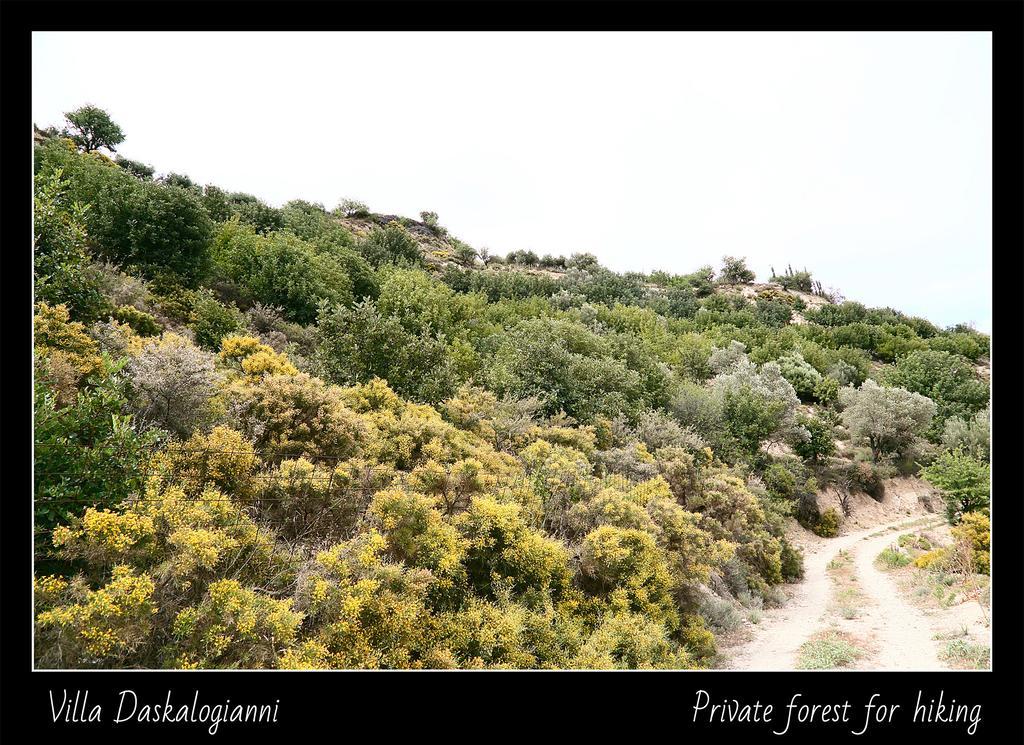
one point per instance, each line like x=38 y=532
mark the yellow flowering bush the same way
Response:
x=562 y=476
x=307 y=498
x=233 y=627
x=628 y=641
x=609 y=507
x=47 y=590
x=254 y=358
x=375 y=395
x=198 y=536
x=403 y=435
x=970 y=552
x=974 y=530
x=56 y=334
x=172 y=534
x=224 y=458
x=267 y=362
x=236 y=347
x=198 y=549
x=472 y=409
x=728 y=508
x=502 y=550
x=505 y=635
x=936 y=558
x=309 y=655
x=103 y=537
x=451 y=486
x=692 y=552
x=582 y=438
x=292 y=415
x=368 y=612
x=99 y=628
x=416 y=533
x=363 y=476
x=627 y=567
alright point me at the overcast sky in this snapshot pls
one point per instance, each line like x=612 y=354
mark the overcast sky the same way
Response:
x=864 y=156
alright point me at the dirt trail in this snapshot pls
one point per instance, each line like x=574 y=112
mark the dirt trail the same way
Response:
x=899 y=634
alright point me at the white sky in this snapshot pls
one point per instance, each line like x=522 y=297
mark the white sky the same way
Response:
x=864 y=156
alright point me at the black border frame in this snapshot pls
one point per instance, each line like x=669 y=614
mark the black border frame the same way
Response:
x=421 y=703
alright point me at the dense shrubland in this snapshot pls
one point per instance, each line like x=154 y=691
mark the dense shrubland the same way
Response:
x=293 y=437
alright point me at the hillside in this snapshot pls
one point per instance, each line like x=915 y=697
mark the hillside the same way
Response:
x=306 y=438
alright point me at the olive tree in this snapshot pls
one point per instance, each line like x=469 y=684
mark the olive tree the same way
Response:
x=888 y=420
x=972 y=436
x=758 y=404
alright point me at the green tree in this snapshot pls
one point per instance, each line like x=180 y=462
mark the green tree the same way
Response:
x=213 y=320
x=181 y=180
x=134 y=224
x=136 y=168
x=358 y=344
x=750 y=417
x=313 y=224
x=153 y=227
x=757 y=404
x=222 y=206
x=735 y=271
x=972 y=436
x=568 y=367
x=820 y=441
x=775 y=313
x=422 y=304
x=279 y=269
x=91 y=452
x=945 y=378
x=60 y=253
x=92 y=128
x=584 y=261
x=682 y=301
x=801 y=375
x=352 y=208
x=391 y=244
x=430 y=219
x=963 y=481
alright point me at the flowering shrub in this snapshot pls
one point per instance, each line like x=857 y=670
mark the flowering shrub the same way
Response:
x=95 y=628
x=290 y=415
x=233 y=627
x=141 y=322
x=57 y=337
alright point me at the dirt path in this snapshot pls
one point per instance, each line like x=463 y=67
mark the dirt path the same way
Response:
x=899 y=630
x=899 y=633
